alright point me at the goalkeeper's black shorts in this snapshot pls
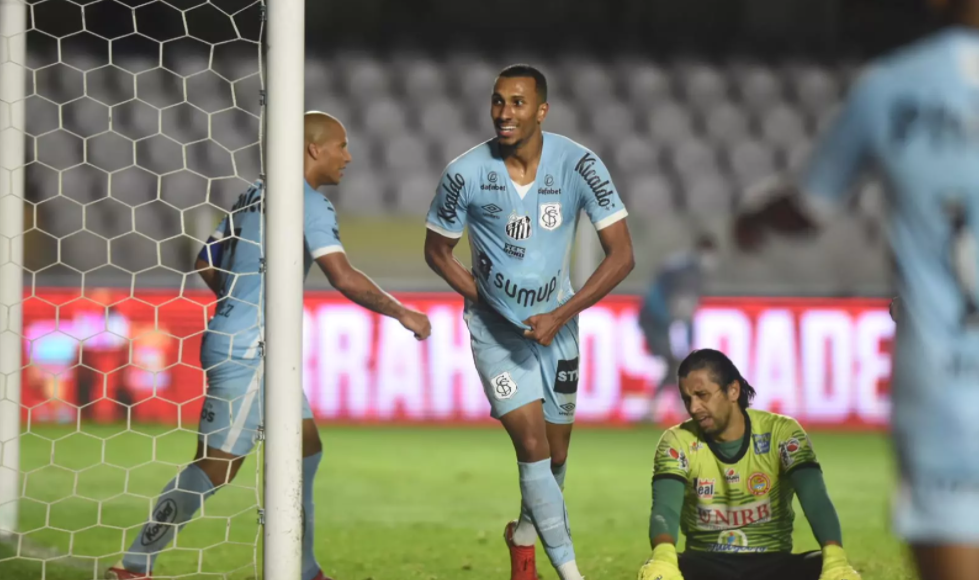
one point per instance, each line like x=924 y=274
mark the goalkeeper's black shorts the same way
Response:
x=695 y=565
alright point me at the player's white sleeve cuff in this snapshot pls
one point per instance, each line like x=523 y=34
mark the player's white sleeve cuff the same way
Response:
x=606 y=222
x=443 y=231
x=320 y=252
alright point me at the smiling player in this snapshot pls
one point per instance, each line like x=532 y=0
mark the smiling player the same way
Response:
x=727 y=477
x=521 y=194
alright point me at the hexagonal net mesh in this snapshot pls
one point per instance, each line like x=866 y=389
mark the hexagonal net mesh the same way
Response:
x=141 y=124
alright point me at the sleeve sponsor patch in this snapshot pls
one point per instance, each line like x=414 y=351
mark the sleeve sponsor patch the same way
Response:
x=680 y=458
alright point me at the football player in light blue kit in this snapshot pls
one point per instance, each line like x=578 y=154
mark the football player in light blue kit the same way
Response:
x=520 y=194
x=915 y=115
x=231 y=351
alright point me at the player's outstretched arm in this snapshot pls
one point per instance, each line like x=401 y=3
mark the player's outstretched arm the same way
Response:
x=618 y=262
x=439 y=257
x=783 y=213
x=359 y=288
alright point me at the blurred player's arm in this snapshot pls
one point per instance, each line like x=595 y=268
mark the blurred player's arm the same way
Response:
x=444 y=225
x=210 y=257
x=359 y=288
x=798 y=463
x=799 y=207
x=440 y=258
x=322 y=236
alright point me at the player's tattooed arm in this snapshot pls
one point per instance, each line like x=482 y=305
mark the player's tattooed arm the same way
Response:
x=439 y=256
x=359 y=288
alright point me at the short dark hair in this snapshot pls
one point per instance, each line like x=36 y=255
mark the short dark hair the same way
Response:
x=525 y=70
x=722 y=371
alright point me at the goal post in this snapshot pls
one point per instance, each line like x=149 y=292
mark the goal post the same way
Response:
x=13 y=25
x=127 y=129
x=285 y=55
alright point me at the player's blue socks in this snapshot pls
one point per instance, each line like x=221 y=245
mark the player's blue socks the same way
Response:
x=525 y=534
x=542 y=497
x=310 y=464
x=177 y=504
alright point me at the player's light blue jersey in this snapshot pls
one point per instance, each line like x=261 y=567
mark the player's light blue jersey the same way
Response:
x=915 y=115
x=236 y=330
x=521 y=242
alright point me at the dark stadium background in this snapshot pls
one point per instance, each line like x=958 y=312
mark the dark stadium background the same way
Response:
x=688 y=102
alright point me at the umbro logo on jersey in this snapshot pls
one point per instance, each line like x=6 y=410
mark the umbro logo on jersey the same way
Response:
x=567 y=409
x=491 y=210
x=518 y=226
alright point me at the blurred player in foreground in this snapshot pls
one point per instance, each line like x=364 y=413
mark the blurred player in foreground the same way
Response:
x=520 y=194
x=913 y=114
x=726 y=477
x=668 y=308
x=231 y=348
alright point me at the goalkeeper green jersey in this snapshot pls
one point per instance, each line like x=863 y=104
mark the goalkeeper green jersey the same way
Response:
x=742 y=503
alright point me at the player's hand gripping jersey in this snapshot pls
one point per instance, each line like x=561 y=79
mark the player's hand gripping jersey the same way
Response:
x=237 y=249
x=521 y=245
x=743 y=504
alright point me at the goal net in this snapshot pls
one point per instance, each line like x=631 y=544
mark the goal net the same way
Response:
x=129 y=127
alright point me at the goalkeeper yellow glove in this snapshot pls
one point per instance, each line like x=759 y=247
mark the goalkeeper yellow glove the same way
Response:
x=662 y=565
x=835 y=566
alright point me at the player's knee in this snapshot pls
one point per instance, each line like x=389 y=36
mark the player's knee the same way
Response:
x=558 y=458
x=312 y=444
x=532 y=447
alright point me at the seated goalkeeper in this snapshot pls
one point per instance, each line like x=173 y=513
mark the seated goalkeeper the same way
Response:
x=727 y=477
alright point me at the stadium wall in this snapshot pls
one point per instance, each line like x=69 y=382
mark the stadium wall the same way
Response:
x=825 y=361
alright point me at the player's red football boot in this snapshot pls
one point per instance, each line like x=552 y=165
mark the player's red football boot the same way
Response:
x=523 y=559
x=322 y=576
x=117 y=572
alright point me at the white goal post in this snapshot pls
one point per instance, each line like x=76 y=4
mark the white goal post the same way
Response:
x=270 y=100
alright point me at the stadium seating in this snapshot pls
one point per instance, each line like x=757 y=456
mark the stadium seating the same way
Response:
x=682 y=136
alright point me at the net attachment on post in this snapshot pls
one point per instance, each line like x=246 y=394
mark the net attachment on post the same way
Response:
x=142 y=126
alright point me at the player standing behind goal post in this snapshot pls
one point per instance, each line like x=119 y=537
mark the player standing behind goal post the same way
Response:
x=520 y=194
x=727 y=477
x=231 y=348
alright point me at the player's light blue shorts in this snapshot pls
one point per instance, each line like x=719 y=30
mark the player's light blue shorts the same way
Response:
x=936 y=434
x=516 y=371
x=232 y=410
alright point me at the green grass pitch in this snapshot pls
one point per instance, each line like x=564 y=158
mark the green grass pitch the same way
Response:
x=401 y=504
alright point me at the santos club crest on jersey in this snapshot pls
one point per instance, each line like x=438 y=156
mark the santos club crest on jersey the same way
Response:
x=518 y=226
x=550 y=216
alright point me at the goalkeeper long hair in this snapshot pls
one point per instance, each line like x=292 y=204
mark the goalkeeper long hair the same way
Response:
x=722 y=370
